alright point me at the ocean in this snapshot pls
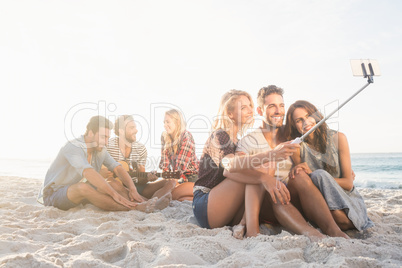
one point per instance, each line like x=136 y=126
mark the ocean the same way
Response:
x=374 y=170
x=379 y=170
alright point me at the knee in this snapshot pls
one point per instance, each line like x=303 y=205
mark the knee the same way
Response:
x=342 y=220
x=171 y=183
x=117 y=185
x=84 y=188
x=302 y=178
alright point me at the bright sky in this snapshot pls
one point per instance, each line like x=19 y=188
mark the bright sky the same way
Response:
x=65 y=61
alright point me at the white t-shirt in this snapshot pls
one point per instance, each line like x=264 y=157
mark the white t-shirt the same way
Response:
x=254 y=143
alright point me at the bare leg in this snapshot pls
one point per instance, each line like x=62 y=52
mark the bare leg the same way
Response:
x=163 y=202
x=253 y=198
x=147 y=206
x=314 y=206
x=158 y=188
x=188 y=198
x=79 y=192
x=155 y=202
x=342 y=220
x=225 y=203
x=183 y=191
x=119 y=187
x=289 y=217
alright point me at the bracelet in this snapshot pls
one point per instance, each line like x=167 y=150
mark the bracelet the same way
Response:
x=135 y=179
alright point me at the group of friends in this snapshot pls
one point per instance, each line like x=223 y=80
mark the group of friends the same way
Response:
x=243 y=177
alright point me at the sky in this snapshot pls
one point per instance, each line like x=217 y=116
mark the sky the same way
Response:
x=65 y=61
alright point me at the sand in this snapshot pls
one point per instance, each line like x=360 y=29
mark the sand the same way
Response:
x=32 y=235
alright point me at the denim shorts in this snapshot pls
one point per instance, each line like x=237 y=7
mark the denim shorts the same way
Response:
x=200 y=208
x=58 y=199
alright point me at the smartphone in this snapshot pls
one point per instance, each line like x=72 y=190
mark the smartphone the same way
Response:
x=358 y=69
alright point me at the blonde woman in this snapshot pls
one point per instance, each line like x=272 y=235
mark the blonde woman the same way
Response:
x=178 y=154
x=219 y=197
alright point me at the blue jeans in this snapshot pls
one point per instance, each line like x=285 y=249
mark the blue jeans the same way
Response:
x=200 y=208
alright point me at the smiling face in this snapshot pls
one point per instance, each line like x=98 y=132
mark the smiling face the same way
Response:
x=169 y=124
x=100 y=139
x=303 y=120
x=242 y=112
x=273 y=110
x=131 y=132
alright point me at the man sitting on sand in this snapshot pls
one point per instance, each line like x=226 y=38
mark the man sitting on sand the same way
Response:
x=125 y=147
x=73 y=178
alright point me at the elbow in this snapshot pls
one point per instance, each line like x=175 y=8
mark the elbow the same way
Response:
x=348 y=186
x=118 y=170
x=86 y=172
x=227 y=173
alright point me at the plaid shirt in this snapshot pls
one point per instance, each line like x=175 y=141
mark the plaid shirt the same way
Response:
x=183 y=160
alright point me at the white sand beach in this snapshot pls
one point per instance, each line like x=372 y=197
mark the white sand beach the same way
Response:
x=32 y=235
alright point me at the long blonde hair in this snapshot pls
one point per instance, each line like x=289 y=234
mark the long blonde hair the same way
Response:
x=172 y=141
x=227 y=105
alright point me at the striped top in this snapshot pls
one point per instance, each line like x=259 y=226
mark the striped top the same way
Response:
x=138 y=152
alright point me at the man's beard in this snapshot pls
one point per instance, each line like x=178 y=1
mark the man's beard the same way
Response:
x=130 y=139
x=269 y=124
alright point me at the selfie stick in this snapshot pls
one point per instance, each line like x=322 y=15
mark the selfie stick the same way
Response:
x=369 y=81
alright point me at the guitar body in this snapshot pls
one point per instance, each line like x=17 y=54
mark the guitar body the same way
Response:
x=135 y=174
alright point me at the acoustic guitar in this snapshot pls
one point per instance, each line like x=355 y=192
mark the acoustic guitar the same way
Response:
x=138 y=177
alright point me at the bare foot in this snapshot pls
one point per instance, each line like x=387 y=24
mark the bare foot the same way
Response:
x=253 y=234
x=147 y=206
x=314 y=235
x=239 y=231
x=338 y=233
x=163 y=202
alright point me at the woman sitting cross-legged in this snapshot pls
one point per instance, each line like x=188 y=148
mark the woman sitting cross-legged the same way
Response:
x=178 y=155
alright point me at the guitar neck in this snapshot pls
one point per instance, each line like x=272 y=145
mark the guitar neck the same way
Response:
x=166 y=175
x=143 y=174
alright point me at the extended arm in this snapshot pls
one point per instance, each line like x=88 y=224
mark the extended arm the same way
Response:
x=276 y=189
x=249 y=162
x=102 y=186
x=128 y=182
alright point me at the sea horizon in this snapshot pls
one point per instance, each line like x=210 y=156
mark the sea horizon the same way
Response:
x=373 y=170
